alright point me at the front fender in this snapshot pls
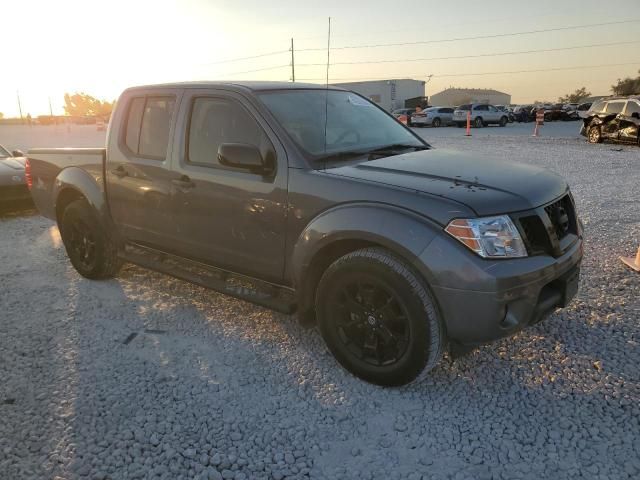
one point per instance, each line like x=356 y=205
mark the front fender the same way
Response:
x=403 y=232
x=79 y=180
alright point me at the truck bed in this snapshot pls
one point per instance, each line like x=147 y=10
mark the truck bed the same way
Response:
x=48 y=163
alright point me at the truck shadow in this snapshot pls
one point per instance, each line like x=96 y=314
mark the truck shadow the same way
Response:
x=146 y=354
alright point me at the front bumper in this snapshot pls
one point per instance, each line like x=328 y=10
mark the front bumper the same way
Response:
x=483 y=300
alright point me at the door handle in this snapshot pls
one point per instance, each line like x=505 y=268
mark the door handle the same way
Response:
x=119 y=171
x=183 y=182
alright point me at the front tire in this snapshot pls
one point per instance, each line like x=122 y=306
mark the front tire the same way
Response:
x=436 y=122
x=504 y=121
x=594 y=135
x=478 y=122
x=91 y=251
x=378 y=318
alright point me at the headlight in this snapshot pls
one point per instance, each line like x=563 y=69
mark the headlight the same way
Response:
x=489 y=237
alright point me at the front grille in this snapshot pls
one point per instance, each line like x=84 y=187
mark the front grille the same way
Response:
x=544 y=230
x=536 y=235
x=561 y=215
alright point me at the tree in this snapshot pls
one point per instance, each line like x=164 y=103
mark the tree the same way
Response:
x=1 y=115
x=628 y=86
x=575 y=97
x=80 y=104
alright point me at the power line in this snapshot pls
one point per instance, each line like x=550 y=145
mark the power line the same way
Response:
x=472 y=56
x=230 y=60
x=480 y=73
x=255 y=70
x=478 y=37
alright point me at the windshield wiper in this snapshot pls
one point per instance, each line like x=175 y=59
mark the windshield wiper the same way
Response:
x=383 y=151
x=393 y=149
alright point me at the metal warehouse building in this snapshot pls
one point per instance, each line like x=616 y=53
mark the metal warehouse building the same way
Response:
x=389 y=94
x=457 y=96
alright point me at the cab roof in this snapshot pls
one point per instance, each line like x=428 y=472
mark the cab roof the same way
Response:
x=238 y=85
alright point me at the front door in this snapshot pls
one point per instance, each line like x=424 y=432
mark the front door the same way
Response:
x=138 y=167
x=611 y=119
x=630 y=122
x=228 y=217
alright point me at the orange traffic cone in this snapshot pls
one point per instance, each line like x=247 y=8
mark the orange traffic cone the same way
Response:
x=632 y=262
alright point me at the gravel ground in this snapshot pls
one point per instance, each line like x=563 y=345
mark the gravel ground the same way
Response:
x=211 y=387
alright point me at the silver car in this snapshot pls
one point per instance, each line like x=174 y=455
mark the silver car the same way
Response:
x=481 y=115
x=433 y=116
x=13 y=185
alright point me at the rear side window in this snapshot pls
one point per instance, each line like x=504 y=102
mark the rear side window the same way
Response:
x=598 y=106
x=632 y=107
x=133 y=123
x=154 y=131
x=215 y=121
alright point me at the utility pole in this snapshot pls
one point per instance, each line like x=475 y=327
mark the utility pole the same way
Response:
x=293 y=64
x=19 y=104
x=50 y=108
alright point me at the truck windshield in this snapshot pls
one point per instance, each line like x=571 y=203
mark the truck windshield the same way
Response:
x=4 y=152
x=353 y=123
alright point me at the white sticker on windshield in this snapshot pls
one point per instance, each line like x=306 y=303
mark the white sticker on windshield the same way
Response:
x=358 y=101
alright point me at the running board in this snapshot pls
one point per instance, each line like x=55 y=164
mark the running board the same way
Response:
x=274 y=297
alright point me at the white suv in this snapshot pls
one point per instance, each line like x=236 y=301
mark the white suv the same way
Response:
x=481 y=115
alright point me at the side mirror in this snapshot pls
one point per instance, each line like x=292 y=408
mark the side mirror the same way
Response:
x=17 y=153
x=635 y=115
x=242 y=155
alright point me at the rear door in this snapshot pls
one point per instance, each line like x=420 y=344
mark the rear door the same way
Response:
x=224 y=216
x=629 y=124
x=138 y=166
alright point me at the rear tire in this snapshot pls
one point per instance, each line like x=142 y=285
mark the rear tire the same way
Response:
x=436 y=122
x=91 y=251
x=378 y=318
x=459 y=125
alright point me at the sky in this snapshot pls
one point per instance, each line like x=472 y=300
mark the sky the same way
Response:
x=102 y=47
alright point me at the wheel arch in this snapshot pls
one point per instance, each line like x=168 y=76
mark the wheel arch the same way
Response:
x=74 y=183
x=350 y=227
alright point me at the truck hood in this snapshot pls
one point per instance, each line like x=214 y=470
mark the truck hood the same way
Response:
x=485 y=185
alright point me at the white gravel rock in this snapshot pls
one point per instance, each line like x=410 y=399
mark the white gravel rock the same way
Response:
x=230 y=390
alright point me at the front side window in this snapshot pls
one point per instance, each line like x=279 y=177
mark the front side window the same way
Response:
x=614 y=107
x=352 y=122
x=4 y=152
x=215 y=121
x=481 y=108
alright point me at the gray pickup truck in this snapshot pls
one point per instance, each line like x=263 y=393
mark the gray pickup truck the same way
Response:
x=298 y=197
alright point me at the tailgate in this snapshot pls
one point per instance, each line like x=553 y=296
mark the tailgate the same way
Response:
x=47 y=163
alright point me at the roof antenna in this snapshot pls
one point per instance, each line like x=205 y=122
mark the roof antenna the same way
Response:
x=326 y=95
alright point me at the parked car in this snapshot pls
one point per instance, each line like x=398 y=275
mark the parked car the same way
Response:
x=481 y=115
x=13 y=186
x=524 y=113
x=408 y=112
x=616 y=119
x=433 y=116
x=506 y=109
x=394 y=249
x=583 y=108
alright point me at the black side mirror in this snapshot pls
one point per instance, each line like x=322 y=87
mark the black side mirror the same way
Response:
x=635 y=115
x=17 y=153
x=242 y=155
